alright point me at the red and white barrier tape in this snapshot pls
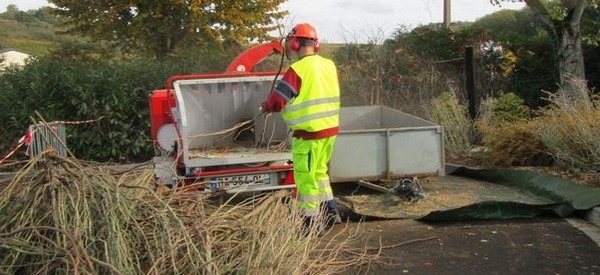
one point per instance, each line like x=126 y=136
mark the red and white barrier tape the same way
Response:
x=26 y=139
x=75 y=122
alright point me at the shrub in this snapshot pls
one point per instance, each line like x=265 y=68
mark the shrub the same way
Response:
x=514 y=145
x=79 y=90
x=508 y=134
x=508 y=108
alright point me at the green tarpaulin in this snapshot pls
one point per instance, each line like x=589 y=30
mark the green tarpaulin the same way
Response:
x=477 y=194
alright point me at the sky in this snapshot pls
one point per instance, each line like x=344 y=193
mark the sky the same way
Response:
x=358 y=20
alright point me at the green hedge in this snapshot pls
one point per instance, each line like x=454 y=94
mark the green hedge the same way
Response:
x=72 y=90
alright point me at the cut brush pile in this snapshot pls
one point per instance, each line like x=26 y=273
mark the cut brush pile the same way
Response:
x=64 y=216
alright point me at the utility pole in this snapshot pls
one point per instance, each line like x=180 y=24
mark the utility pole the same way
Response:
x=470 y=78
x=447 y=13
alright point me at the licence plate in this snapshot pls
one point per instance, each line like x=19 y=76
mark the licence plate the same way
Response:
x=239 y=181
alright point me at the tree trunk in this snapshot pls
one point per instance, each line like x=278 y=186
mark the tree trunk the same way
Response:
x=570 y=53
x=571 y=63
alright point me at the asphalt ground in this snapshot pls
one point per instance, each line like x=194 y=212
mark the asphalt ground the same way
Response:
x=540 y=245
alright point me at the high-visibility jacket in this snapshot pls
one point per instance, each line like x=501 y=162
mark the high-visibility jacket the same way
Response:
x=318 y=102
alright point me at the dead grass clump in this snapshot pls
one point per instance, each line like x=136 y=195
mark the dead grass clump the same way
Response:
x=69 y=217
x=570 y=130
x=448 y=112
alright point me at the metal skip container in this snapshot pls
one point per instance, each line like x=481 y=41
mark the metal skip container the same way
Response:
x=377 y=142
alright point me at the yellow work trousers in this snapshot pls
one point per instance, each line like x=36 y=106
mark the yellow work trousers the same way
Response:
x=310 y=159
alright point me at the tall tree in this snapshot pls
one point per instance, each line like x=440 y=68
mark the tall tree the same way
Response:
x=160 y=27
x=12 y=9
x=563 y=18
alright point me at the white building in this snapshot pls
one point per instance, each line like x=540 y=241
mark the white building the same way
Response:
x=11 y=57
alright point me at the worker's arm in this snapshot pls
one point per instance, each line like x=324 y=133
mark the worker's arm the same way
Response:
x=287 y=88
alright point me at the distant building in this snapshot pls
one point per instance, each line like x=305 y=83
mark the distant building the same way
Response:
x=11 y=57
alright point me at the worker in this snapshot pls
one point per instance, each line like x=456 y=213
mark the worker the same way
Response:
x=308 y=97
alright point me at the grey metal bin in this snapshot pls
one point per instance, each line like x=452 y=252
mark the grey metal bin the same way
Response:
x=377 y=142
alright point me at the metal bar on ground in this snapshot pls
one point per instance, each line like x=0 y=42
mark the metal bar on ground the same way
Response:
x=374 y=186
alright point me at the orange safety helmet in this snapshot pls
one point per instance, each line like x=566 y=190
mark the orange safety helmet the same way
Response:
x=303 y=30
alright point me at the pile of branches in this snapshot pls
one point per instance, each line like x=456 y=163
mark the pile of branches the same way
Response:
x=64 y=216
